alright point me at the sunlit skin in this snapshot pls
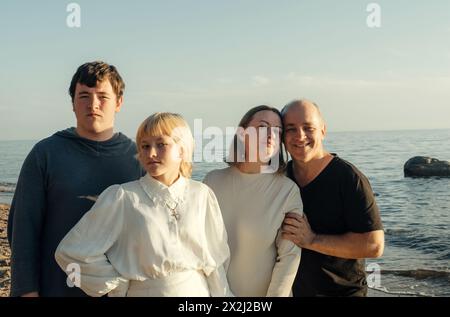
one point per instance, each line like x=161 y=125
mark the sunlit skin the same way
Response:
x=305 y=131
x=265 y=144
x=95 y=109
x=161 y=157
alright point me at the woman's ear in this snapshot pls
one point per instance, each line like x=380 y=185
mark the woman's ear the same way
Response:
x=181 y=152
x=240 y=134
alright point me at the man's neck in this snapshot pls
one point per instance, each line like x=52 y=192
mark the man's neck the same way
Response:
x=99 y=137
x=306 y=172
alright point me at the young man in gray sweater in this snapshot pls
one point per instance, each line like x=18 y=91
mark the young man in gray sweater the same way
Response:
x=62 y=176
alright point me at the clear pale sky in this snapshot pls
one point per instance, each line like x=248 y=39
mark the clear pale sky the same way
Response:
x=215 y=59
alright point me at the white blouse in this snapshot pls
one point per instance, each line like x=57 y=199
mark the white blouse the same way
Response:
x=143 y=231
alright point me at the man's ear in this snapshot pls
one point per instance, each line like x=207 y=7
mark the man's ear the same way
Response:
x=119 y=103
x=324 y=131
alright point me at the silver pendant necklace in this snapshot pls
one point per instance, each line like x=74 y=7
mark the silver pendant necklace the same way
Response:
x=174 y=213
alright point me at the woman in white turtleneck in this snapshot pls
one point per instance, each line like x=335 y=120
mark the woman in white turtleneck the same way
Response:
x=254 y=196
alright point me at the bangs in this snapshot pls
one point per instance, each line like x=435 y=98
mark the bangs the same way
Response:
x=162 y=124
x=174 y=126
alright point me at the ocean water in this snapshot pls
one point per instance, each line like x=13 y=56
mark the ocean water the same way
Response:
x=415 y=211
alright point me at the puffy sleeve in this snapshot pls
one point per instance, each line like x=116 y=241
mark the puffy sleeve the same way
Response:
x=86 y=245
x=216 y=251
x=288 y=254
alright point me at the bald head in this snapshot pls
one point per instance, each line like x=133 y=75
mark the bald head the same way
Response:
x=303 y=105
x=304 y=131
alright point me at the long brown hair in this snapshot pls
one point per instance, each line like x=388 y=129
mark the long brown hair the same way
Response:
x=237 y=146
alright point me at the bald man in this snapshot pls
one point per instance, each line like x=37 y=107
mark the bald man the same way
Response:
x=341 y=225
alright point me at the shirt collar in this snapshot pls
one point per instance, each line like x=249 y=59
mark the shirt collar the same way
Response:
x=157 y=190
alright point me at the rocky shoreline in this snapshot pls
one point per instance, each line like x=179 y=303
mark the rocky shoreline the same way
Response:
x=5 y=253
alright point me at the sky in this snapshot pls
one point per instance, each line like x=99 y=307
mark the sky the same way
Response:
x=213 y=60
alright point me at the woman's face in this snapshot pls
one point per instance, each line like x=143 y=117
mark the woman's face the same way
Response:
x=160 y=156
x=262 y=136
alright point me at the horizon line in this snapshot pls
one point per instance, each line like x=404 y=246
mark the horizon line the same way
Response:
x=335 y=131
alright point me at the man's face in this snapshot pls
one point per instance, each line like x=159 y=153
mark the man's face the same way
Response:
x=304 y=132
x=95 y=109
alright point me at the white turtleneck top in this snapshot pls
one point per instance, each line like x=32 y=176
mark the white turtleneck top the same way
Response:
x=253 y=208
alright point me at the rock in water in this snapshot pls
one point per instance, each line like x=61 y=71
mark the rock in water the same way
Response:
x=423 y=166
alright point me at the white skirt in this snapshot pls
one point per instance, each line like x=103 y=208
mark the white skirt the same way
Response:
x=180 y=284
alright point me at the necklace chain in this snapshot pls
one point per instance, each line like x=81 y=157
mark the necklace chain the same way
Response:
x=174 y=212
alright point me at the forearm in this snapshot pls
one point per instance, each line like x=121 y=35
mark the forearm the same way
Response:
x=90 y=271
x=283 y=276
x=285 y=268
x=349 y=245
x=25 y=252
x=25 y=223
x=24 y=277
x=218 y=283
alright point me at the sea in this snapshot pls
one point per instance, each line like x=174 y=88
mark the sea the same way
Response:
x=415 y=211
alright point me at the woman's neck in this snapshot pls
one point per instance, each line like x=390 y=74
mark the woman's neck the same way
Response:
x=168 y=178
x=250 y=167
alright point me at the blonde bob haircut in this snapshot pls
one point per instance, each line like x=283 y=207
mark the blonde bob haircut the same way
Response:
x=174 y=126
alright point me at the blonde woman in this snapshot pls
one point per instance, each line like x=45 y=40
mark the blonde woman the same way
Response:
x=162 y=235
x=254 y=197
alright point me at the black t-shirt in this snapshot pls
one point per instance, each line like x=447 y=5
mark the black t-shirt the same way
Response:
x=338 y=200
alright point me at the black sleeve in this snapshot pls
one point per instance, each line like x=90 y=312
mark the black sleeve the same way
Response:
x=360 y=208
x=25 y=223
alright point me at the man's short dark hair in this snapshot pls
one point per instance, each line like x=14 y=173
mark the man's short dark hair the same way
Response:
x=91 y=73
